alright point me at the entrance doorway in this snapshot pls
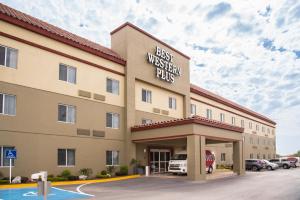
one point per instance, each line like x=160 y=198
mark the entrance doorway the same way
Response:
x=159 y=160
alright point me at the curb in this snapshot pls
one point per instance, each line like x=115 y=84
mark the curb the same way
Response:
x=29 y=185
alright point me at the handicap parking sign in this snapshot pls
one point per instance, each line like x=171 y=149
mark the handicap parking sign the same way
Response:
x=11 y=154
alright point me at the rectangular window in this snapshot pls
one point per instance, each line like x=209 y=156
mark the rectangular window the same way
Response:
x=67 y=73
x=257 y=127
x=8 y=57
x=251 y=155
x=222 y=117
x=146 y=121
x=233 y=120
x=208 y=113
x=4 y=162
x=7 y=104
x=223 y=156
x=263 y=129
x=242 y=123
x=268 y=131
x=66 y=113
x=193 y=109
x=258 y=140
x=172 y=103
x=258 y=156
x=146 y=96
x=66 y=157
x=112 y=158
x=250 y=125
x=112 y=120
x=112 y=86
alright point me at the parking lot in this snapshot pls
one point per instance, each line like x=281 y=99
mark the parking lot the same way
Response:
x=279 y=184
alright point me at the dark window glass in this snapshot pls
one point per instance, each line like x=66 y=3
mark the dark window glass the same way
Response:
x=144 y=96
x=109 y=120
x=109 y=85
x=1 y=103
x=71 y=157
x=2 y=55
x=108 y=157
x=61 y=157
x=11 y=57
x=62 y=113
x=63 y=72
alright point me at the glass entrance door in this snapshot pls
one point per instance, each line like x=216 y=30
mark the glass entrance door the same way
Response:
x=159 y=160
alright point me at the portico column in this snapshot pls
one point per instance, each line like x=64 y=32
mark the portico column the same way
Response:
x=196 y=157
x=238 y=157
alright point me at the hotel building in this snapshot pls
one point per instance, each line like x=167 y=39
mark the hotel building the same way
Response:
x=69 y=103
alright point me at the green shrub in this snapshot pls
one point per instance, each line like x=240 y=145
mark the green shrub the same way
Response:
x=66 y=173
x=123 y=171
x=86 y=171
x=4 y=182
x=50 y=176
x=103 y=172
x=110 y=169
x=100 y=175
x=57 y=179
x=73 y=178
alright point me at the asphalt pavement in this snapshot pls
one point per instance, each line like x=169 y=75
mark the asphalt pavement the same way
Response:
x=280 y=184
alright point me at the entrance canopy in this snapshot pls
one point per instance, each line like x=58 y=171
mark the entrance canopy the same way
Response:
x=196 y=132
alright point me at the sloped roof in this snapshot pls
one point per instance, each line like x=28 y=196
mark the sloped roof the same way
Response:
x=33 y=24
x=205 y=93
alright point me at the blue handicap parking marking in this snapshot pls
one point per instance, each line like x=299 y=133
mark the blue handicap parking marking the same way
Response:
x=32 y=194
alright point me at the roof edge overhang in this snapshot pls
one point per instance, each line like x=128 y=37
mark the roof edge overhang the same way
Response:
x=202 y=92
x=190 y=120
x=149 y=35
x=38 y=30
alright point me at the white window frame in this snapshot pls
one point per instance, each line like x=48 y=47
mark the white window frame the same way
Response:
x=68 y=66
x=208 y=113
x=148 y=96
x=66 y=152
x=257 y=127
x=173 y=102
x=193 y=108
x=147 y=121
x=5 y=55
x=113 y=81
x=242 y=123
x=67 y=109
x=3 y=104
x=233 y=120
x=250 y=125
x=112 y=118
x=112 y=157
x=2 y=158
x=222 y=117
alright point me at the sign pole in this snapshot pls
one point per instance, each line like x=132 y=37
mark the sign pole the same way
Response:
x=10 y=170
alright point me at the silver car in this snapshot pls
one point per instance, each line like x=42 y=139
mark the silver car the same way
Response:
x=270 y=166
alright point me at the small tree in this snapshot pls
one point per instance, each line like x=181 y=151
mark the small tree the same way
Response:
x=297 y=154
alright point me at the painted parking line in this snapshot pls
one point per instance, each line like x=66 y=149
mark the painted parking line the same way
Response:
x=31 y=194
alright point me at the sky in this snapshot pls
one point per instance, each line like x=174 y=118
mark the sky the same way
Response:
x=247 y=51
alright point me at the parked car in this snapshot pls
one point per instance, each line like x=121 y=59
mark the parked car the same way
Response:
x=270 y=166
x=281 y=162
x=294 y=160
x=254 y=164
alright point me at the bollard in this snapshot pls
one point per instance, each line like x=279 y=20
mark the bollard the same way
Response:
x=147 y=170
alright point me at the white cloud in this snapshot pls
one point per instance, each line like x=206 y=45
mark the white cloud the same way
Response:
x=234 y=62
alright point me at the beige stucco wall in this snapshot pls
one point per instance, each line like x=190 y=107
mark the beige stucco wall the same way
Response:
x=160 y=100
x=40 y=69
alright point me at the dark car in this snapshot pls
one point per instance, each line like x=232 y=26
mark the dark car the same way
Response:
x=254 y=164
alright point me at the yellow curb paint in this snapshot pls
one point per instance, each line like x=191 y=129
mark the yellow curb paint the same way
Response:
x=28 y=185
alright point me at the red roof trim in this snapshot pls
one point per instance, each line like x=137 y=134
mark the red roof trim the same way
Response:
x=22 y=20
x=149 y=35
x=189 y=120
x=202 y=92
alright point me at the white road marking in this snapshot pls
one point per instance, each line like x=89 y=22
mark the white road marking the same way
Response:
x=78 y=191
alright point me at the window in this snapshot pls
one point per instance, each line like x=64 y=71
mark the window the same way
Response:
x=172 y=103
x=66 y=113
x=250 y=125
x=233 y=120
x=258 y=156
x=208 y=113
x=258 y=140
x=112 y=120
x=242 y=123
x=146 y=96
x=222 y=117
x=251 y=155
x=146 y=121
x=112 y=157
x=7 y=104
x=8 y=57
x=263 y=129
x=4 y=162
x=112 y=86
x=268 y=131
x=257 y=127
x=67 y=73
x=264 y=156
x=66 y=157
x=223 y=157
x=193 y=109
